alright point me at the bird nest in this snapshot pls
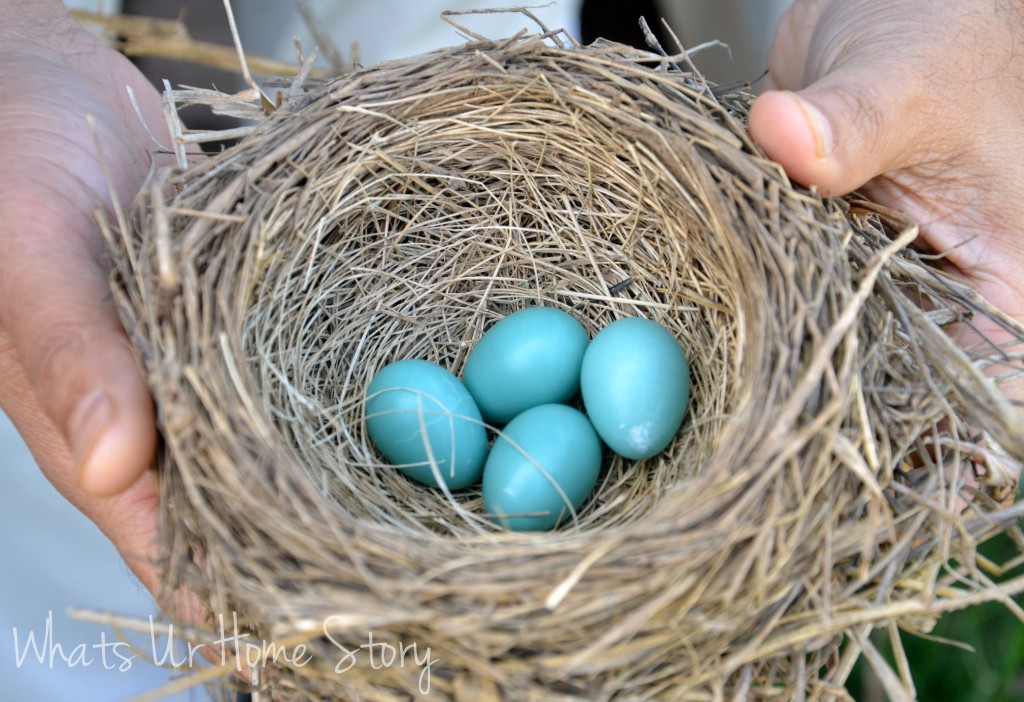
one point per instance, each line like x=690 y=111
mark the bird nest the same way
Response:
x=841 y=458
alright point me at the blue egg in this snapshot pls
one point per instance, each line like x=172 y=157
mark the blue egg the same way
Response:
x=531 y=357
x=545 y=459
x=635 y=384
x=418 y=413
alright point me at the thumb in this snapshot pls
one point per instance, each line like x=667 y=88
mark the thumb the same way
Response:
x=60 y=319
x=838 y=133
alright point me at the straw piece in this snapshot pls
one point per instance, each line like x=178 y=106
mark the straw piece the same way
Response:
x=830 y=477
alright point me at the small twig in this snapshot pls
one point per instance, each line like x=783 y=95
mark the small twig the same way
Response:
x=619 y=287
x=723 y=89
x=174 y=125
x=447 y=16
x=323 y=40
x=266 y=102
x=163 y=38
x=142 y=119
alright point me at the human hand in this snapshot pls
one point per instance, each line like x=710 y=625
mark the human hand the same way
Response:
x=921 y=106
x=68 y=378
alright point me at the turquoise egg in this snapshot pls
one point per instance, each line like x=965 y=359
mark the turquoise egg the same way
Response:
x=529 y=358
x=416 y=412
x=545 y=457
x=635 y=384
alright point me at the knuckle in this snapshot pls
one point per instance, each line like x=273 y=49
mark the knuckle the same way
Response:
x=51 y=363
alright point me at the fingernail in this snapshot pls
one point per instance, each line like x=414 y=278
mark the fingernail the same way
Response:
x=88 y=423
x=823 y=142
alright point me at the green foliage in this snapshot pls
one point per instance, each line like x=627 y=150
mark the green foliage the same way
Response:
x=992 y=672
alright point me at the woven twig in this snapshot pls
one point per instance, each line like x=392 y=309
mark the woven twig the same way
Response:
x=817 y=490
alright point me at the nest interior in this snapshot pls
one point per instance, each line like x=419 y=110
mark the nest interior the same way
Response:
x=400 y=211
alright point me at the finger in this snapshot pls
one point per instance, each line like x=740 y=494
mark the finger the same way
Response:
x=128 y=519
x=841 y=131
x=787 y=60
x=61 y=321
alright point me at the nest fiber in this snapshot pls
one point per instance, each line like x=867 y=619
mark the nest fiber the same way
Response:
x=846 y=444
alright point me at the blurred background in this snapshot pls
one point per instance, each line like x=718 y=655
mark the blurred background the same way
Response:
x=52 y=558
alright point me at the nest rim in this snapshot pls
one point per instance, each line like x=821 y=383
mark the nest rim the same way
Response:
x=714 y=543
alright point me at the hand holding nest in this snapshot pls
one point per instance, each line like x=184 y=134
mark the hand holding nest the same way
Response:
x=919 y=104
x=68 y=378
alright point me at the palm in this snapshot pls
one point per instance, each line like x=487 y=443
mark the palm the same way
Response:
x=58 y=328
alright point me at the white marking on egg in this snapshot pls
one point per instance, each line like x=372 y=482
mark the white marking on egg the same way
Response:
x=640 y=436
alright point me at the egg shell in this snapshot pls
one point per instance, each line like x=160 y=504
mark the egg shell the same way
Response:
x=561 y=441
x=531 y=357
x=416 y=410
x=635 y=384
